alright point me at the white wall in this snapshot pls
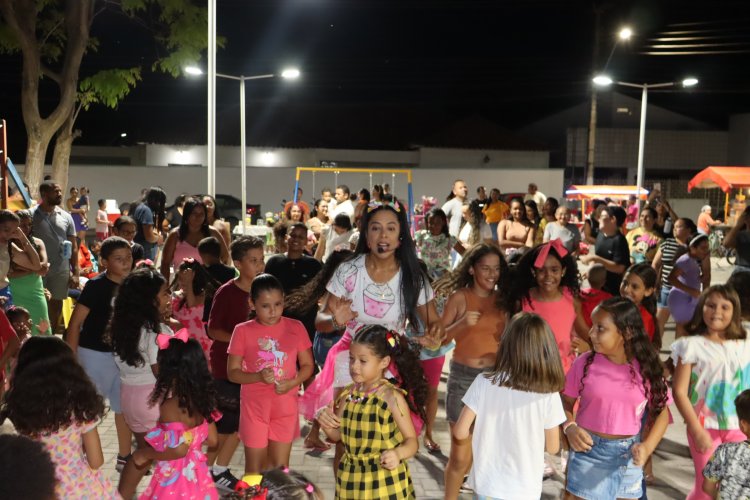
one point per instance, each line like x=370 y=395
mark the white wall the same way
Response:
x=268 y=186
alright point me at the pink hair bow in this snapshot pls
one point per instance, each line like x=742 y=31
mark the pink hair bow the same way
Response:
x=557 y=244
x=163 y=338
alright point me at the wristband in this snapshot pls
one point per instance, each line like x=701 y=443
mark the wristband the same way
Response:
x=336 y=326
x=567 y=426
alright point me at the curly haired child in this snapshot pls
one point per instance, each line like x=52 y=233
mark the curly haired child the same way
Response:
x=53 y=401
x=186 y=397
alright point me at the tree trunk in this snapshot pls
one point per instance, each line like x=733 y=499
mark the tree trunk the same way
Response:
x=63 y=146
x=36 y=151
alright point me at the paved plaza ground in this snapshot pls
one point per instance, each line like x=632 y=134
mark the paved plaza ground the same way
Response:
x=673 y=467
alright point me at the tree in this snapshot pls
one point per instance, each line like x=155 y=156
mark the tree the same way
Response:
x=53 y=37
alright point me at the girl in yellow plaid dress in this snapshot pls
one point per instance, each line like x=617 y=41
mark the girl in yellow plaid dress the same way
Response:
x=372 y=419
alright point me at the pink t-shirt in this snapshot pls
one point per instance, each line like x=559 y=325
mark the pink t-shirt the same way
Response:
x=263 y=346
x=613 y=398
x=560 y=315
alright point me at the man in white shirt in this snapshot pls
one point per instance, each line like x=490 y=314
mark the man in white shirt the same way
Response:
x=536 y=195
x=343 y=203
x=453 y=206
x=326 y=195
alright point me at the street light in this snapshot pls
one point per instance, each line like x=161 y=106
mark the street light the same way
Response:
x=604 y=81
x=286 y=74
x=625 y=33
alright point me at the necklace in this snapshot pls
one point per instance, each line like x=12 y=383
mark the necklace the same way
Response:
x=364 y=395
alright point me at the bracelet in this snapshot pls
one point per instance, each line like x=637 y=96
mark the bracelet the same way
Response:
x=567 y=426
x=336 y=326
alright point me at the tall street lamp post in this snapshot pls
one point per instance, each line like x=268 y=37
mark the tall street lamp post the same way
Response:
x=287 y=74
x=605 y=81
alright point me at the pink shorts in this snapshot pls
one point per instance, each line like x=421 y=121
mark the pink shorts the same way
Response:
x=265 y=418
x=139 y=416
x=433 y=368
x=101 y=236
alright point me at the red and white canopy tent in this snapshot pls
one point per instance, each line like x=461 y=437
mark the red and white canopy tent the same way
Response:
x=724 y=178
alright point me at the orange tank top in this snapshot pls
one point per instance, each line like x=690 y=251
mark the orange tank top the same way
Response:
x=480 y=340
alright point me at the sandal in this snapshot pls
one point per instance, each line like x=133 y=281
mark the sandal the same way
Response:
x=316 y=444
x=431 y=445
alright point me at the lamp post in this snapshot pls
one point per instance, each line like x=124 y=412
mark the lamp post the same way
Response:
x=605 y=81
x=287 y=74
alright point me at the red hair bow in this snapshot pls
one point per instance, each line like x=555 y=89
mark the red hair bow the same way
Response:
x=557 y=244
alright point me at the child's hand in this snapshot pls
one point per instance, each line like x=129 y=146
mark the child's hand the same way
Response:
x=703 y=441
x=327 y=418
x=579 y=439
x=389 y=459
x=640 y=454
x=266 y=375
x=284 y=386
x=139 y=458
x=472 y=317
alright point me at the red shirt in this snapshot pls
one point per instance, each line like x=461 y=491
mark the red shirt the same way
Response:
x=6 y=334
x=229 y=308
x=590 y=298
x=648 y=323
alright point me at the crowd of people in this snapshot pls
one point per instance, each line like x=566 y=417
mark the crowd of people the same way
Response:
x=197 y=344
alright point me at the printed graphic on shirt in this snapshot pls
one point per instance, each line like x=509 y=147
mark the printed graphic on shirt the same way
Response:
x=378 y=299
x=269 y=356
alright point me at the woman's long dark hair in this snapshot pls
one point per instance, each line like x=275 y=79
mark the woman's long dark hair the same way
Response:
x=183 y=374
x=135 y=308
x=302 y=300
x=523 y=276
x=190 y=205
x=629 y=324
x=49 y=389
x=647 y=274
x=406 y=357
x=413 y=280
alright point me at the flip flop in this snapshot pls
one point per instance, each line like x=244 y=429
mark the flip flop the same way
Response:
x=431 y=445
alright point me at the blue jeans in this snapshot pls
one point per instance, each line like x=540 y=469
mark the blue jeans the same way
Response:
x=493 y=228
x=605 y=471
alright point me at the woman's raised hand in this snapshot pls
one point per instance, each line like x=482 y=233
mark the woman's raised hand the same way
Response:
x=341 y=310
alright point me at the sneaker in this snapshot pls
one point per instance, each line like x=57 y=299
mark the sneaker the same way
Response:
x=465 y=488
x=121 y=461
x=225 y=481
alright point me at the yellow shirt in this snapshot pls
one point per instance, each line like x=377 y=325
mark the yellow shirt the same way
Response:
x=495 y=211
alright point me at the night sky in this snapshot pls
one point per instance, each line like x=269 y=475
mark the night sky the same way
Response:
x=390 y=74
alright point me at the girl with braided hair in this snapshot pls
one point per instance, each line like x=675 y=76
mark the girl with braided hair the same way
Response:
x=615 y=385
x=371 y=417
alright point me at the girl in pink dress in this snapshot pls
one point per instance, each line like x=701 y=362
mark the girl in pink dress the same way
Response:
x=546 y=283
x=53 y=401
x=186 y=397
x=192 y=285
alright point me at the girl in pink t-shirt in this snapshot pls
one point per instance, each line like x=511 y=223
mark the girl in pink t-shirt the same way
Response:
x=263 y=357
x=191 y=286
x=545 y=282
x=615 y=385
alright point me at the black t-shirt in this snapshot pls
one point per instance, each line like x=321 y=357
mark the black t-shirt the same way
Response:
x=174 y=217
x=293 y=273
x=138 y=253
x=743 y=248
x=98 y=295
x=614 y=248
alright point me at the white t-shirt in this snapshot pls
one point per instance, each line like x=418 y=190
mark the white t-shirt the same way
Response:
x=149 y=349
x=508 y=439
x=452 y=209
x=344 y=207
x=374 y=303
x=336 y=241
x=101 y=227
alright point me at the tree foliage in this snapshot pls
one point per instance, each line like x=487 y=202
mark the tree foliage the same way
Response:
x=53 y=38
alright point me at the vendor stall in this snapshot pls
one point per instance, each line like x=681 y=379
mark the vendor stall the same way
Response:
x=726 y=179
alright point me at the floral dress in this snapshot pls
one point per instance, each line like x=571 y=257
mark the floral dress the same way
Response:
x=192 y=319
x=75 y=478
x=435 y=251
x=185 y=477
x=720 y=372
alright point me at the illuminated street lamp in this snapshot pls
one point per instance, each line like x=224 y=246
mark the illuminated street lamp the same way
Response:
x=286 y=74
x=604 y=81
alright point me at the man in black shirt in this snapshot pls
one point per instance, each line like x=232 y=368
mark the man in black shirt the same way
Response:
x=294 y=269
x=611 y=248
